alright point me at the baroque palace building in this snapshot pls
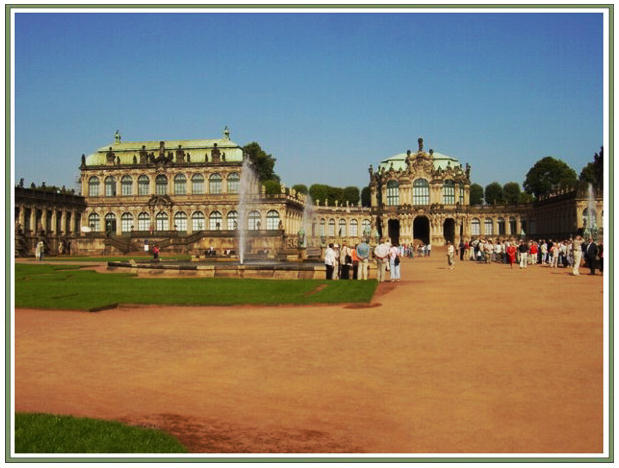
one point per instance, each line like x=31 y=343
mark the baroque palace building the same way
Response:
x=184 y=195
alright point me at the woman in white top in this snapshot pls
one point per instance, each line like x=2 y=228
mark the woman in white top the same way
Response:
x=394 y=263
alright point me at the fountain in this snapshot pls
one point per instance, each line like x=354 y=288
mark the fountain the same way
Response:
x=306 y=223
x=248 y=190
x=591 y=229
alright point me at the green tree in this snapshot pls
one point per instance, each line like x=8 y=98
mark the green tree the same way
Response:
x=511 y=192
x=272 y=187
x=549 y=174
x=351 y=195
x=264 y=163
x=477 y=194
x=318 y=192
x=525 y=197
x=493 y=193
x=366 y=197
x=301 y=188
x=593 y=172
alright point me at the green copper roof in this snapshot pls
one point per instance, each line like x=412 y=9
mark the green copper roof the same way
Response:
x=399 y=161
x=196 y=148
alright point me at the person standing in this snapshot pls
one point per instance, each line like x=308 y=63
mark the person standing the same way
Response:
x=429 y=248
x=510 y=253
x=601 y=255
x=394 y=263
x=363 y=253
x=381 y=252
x=330 y=261
x=461 y=247
x=38 y=251
x=591 y=253
x=451 y=251
x=345 y=261
x=522 y=250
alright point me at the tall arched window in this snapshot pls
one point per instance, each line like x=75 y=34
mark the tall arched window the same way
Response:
x=461 y=196
x=180 y=184
x=143 y=222
x=143 y=185
x=253 y=221
x=331 y=227
x=126 y=222
x=233 y=182
x=161 y=185
x=501 y=224
x=322 y=226
x=488 y=227
x=475 y=227
x=421 y=192
x=449 y=192
x=393 y=193
x=512 y=226
x=180 y=221
x=110 y=186
x=214 y=221
x=233 y=218
x=110 y=222
x=93 y=186
x=353 y=228
x=341 y=231
x=214 y=183
x=197 y=221
x=162 y=222
x=272 y=220
x=93 y=222
x=126 y=186
x=197 y=184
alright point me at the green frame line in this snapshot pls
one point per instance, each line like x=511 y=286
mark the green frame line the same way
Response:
x=301 y=459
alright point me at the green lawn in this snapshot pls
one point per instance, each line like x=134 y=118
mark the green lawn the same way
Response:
x=68 y=287
x=137 y=258
x=47 y=433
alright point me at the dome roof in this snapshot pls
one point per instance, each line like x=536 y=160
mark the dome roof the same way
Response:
x=440 y=160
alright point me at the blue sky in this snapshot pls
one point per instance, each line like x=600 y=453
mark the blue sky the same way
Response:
x=326 y=94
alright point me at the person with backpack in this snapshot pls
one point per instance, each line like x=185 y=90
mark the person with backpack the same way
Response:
x=394 y=263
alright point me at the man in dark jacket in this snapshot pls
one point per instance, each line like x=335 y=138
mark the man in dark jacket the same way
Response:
x=591 y=252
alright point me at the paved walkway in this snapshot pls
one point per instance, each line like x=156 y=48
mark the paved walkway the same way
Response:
x=480 y=359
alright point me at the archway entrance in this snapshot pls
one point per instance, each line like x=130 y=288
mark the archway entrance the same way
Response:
x=421 y=229
x=449 y=230
x=394 y=231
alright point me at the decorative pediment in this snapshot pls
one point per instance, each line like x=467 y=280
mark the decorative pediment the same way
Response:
x=160 y=201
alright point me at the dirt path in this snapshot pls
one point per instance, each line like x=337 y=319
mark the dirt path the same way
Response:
x=482 y=359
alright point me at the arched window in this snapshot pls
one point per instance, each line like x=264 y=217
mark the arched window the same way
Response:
x=110 y=186
x=253 y=221
x=233 y=183
x=93 y=222
x=393 y=193
x=143 y=222
x=421 y=192
x=214 y=183
x=353 y=228
x=143 y=185
x=322 y=226
x=475 y=227
x=162 y=222
x=214 y=221
x=197 y=221
x=180 y=221
x=461 y=196
x=501 y=224
x=272 y=220
x=126 y=186
x=197 y=183
x=93 y=186
x=110 y=222
x=233 y=219
x=341 y=231
x=331 y=227
x=126 y=222
x=512 y=226
x=161 y=185
x=488 y=227
x=180 y=184
x=449 y=192
x=366 y=225
x=589 y=218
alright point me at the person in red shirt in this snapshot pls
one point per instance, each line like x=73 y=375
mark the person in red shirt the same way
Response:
x=533 y=252
x=511 y=254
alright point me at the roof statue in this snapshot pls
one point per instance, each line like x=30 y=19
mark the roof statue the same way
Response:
x=117 y=137
x=226 y=133
x=420 y=143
